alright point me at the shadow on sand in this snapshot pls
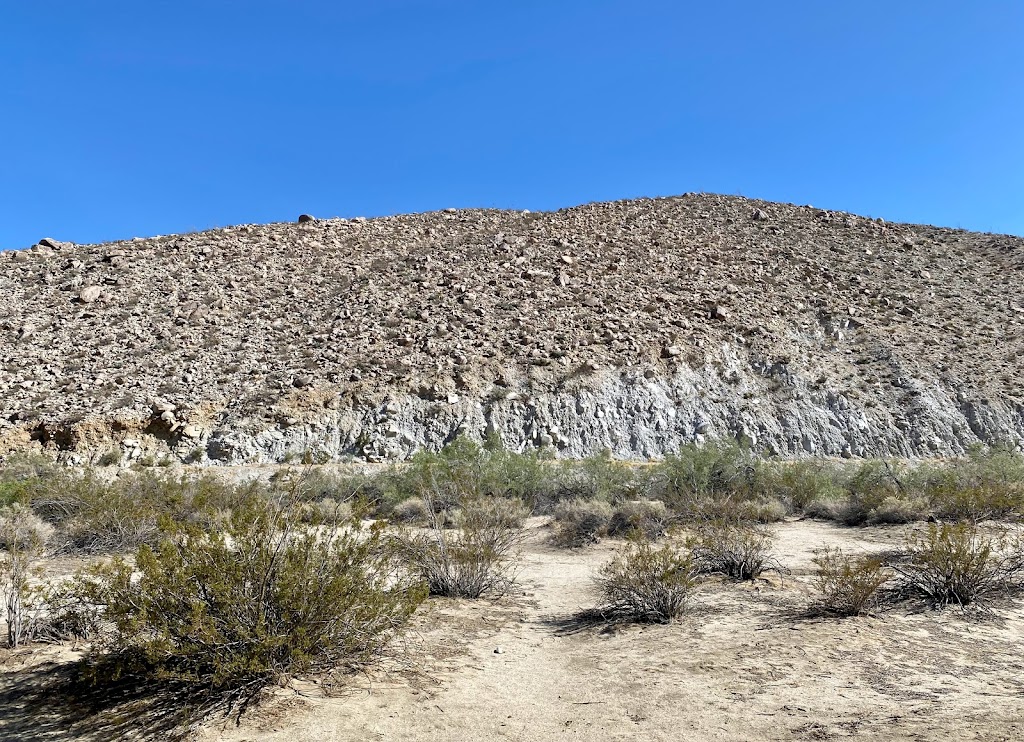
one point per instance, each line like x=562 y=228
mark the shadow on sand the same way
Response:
x=52 y=702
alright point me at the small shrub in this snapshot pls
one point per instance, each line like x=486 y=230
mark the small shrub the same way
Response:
x=649 y=518
x=259 y=599
x=110 y=457
x=647 y=584
x=326 y=508
x=958 y=564
x=598 y=477
x=581 y=522
x=760 y=511
x=23 y=538
x=737 y=550
x=848 y=585
x=411 y=510
x=473 y=560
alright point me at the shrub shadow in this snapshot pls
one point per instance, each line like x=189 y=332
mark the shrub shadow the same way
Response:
x=53 y=702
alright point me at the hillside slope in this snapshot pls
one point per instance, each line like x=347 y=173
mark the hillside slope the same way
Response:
x=633 y=325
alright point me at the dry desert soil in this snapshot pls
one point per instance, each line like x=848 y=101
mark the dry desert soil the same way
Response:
x=746 y=663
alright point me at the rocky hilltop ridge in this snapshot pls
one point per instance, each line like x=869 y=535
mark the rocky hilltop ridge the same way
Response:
x=634 y=326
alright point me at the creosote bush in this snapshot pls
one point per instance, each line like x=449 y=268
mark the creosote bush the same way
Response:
x=643 y=583
x=581 y=522
x=250 y=602
x=741 y=551
x=848 y=585
x=472 y=560
x=958 y=564
x=648 y=518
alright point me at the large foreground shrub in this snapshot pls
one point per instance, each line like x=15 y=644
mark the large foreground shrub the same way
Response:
x=260 y=599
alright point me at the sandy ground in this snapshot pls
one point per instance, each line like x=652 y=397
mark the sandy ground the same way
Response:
x=743 y=665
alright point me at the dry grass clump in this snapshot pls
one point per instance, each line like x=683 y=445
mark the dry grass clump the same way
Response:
x=740 y=551
x=646 y=584
x=472 y=560
x=581 y=522
x=958 y=564
x=848 y=585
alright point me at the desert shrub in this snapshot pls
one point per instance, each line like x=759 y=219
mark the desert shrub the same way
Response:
x=801 y=484
x=581 y=522
x=326 y=508
x=598 y=477
x=411 y=510
x=647 y=584
x=714 y=470
x=741 y=551
x=94 y=515
x=649 y=518
x=988 y=484
x=848 y=585
x=23 y=538
x=877 y=492
x=715 y=481
x=761 y=510
x=464 y=471
x=472 y=560
x=250 y=602
x=959 y=564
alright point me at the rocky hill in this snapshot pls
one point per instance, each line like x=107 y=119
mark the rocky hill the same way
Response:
x=634 y=326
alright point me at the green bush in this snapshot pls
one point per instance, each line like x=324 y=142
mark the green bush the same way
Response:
x=598 y=477
x=251 y=602
x=647 y=584
x=801 y=483
x=988 y=484
x=959 y=564
x=718 y=481
x=465 y=471
x=714 y=471
x=848 y=585
x=877 y=492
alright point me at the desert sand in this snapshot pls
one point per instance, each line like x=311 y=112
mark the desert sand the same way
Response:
x=745 y=664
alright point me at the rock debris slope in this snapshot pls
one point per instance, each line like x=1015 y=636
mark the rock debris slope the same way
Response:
x=634 y=326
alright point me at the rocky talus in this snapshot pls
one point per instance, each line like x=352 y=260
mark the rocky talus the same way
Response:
x=634 y=326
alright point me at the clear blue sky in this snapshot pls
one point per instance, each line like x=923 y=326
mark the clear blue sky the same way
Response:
x=137 y=118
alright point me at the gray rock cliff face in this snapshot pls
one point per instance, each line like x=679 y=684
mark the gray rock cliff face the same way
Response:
x=639 y=418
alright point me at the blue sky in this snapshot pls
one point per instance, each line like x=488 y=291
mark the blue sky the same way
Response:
x=120 y=119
